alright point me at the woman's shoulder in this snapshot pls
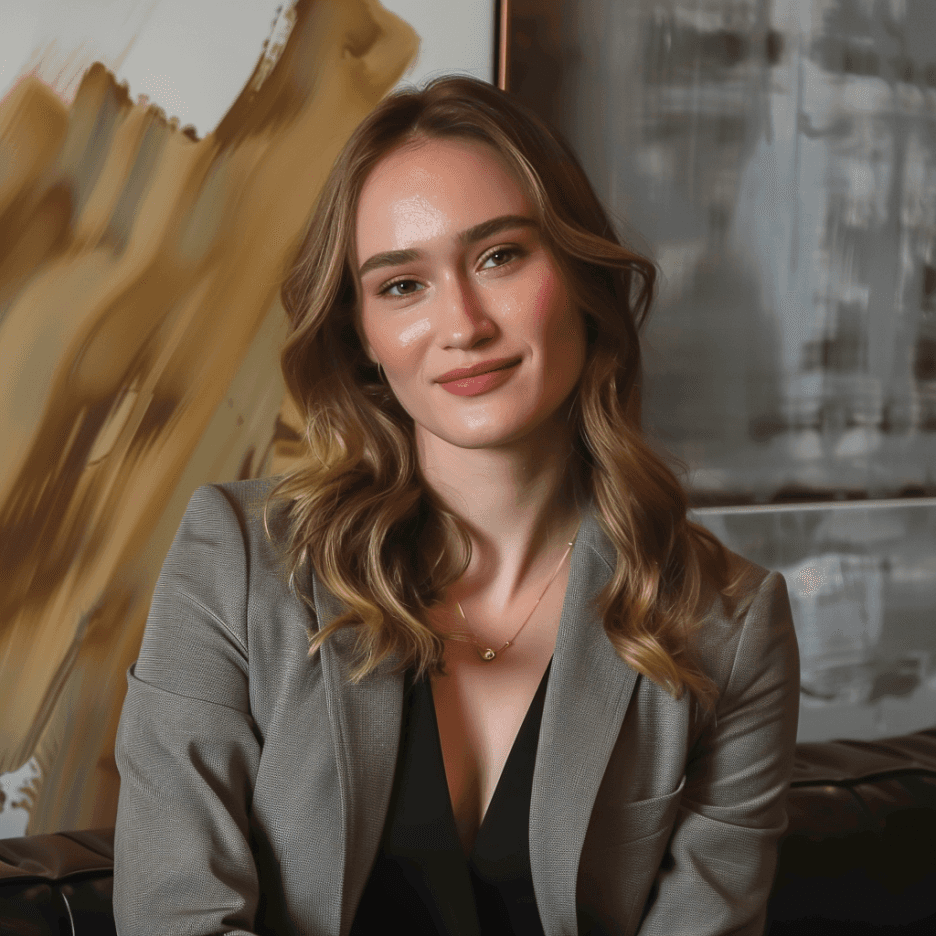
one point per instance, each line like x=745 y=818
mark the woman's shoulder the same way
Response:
x=748 y=575
x=740 y=626
x=248 y=499
x=245 y=495
x=240 y=510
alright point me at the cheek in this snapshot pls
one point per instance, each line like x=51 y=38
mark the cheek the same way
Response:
x=413 y=332
x=394 y=342
x=555 y=316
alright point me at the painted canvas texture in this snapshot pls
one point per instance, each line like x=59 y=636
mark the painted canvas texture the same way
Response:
x=140 y=326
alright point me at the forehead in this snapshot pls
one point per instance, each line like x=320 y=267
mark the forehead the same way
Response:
x=434 y=187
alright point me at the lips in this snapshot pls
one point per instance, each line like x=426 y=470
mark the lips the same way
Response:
x=485 y=367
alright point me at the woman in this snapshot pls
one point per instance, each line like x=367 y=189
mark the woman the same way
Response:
x=470 y=669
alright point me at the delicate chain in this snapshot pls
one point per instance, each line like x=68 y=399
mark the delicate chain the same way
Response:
x=486 y=653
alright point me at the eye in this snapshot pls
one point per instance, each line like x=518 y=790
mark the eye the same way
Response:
x=503 y=252
x=386 y=290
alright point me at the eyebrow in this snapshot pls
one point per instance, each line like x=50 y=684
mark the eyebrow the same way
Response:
x=470 y=236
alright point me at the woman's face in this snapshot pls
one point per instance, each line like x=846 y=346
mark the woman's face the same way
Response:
x=454 y=273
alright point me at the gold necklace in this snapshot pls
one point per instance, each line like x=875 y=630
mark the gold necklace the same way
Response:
x=486 y=653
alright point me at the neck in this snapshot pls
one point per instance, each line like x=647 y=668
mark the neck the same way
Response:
x=516 y=502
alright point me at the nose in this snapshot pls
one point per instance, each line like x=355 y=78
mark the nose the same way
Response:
x=464 y=320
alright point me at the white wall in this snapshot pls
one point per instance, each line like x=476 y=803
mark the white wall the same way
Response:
x=193 y=58
x=457 y=36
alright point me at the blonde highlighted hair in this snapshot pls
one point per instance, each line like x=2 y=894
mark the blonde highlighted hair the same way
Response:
x=356 y=509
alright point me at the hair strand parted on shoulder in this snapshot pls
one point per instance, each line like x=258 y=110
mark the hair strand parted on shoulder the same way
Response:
x=357 y=511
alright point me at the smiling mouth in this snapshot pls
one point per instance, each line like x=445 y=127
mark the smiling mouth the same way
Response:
x=491 y=371
x=509 y=364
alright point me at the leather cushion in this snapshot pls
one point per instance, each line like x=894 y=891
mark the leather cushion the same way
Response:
x=57 y=884
x=858 y=855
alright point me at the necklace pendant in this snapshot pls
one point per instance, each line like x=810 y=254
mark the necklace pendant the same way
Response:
x=488 y=654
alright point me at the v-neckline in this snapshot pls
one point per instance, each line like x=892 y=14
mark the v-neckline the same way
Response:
x=506 y=770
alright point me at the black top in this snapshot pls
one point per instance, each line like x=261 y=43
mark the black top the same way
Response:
x=421 y=880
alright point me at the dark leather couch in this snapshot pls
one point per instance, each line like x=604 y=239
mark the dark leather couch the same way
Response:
x=858 y=858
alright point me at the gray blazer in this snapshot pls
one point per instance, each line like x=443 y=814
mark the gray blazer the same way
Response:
x=255 y=781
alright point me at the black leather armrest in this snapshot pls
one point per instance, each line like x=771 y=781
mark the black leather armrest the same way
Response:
x=859 y=855
x=57 y=884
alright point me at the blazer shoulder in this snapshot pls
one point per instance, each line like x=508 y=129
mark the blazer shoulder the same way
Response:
x=757 y=614
x=752 y=574
x=251 y=502
x=246 y=496
x=242 y=516
x=748 y=581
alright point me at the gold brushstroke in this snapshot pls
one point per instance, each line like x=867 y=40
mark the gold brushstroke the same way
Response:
x=139 y=338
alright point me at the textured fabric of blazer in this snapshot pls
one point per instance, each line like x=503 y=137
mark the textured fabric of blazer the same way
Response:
x=255 y=780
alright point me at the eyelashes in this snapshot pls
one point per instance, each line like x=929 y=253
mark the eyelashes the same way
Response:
x=385 y=290
x=511 y=252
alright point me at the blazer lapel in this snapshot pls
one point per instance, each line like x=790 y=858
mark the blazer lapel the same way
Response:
x=365 y=725
x=586 y=698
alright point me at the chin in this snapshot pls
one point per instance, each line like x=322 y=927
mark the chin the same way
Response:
x=488 y=435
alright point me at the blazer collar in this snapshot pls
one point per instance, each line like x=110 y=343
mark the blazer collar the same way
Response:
x=587 y=696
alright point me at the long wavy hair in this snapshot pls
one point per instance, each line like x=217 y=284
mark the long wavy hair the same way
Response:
x=357 y=509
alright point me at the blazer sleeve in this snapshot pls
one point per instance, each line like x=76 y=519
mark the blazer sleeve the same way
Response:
x=187 y=748
x=718 y=870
